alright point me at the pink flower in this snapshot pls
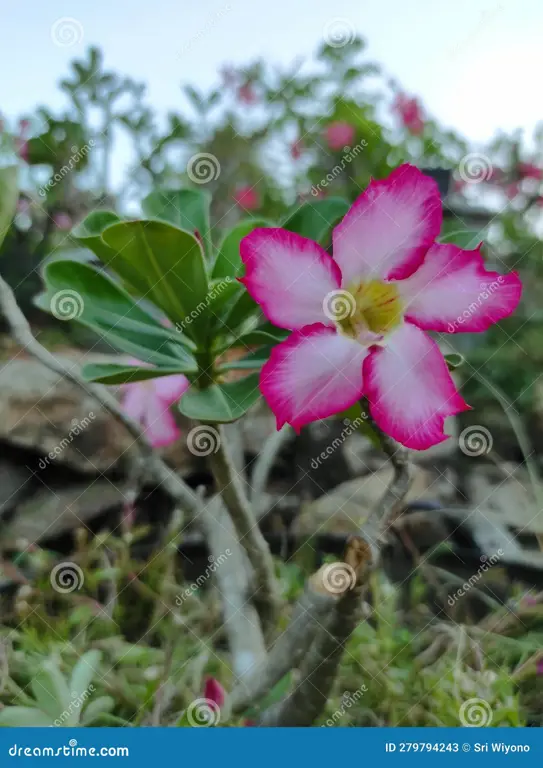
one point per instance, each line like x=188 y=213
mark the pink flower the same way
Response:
x=214 y=692
x=530 y=171
x=410 y=113
x=62 y=220
x=148 y=402
x=247 y=94
x=296 y=149
x=511 y=190
x=359 y=318
x=339 y=135
x=247 y=197
x=21 y=147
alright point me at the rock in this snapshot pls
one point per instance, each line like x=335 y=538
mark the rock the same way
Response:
x=345 y=509
x=44 y=412
x=506 y=496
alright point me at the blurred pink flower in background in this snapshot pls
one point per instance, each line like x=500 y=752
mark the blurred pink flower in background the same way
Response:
x=410 y=113
x=62 y=220
x=296 y=149
x=530 y=171
x=247 y=197
x=148 y=403
x=339 y=134
x=213 y=691
x=247 y=94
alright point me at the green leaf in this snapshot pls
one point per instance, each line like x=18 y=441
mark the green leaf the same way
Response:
x=251 y=362
x=24 y=717
x=50 y=689
x=228 y=262
x=100 y=706
x=243 y=308
x=221 y=402
x=9 y=192
x=463 y=238
x=316 y=219
x=110 y=373
x=84 y=672
x=80 y=292
x=186 y=209
x=89 y=232
x=165 y=265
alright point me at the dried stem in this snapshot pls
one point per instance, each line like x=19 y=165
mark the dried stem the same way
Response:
x=231 y=487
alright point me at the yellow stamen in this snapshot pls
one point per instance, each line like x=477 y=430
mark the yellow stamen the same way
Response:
x=377 y=308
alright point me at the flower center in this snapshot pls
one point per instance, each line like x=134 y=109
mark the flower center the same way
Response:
x=373 y=306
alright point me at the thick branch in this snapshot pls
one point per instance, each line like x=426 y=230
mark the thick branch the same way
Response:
x=22 y=333
x=233 y=578
x=319 y=668
x=231 y=488
x=264 y=465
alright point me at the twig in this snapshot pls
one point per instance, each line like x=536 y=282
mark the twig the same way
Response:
x=233 y=578
x=22 y=333
x=319 y=668
x=311 y=610
x=230 y=486
x=264 y=465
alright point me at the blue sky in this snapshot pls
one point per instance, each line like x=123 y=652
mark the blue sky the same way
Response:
x=477 y=64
